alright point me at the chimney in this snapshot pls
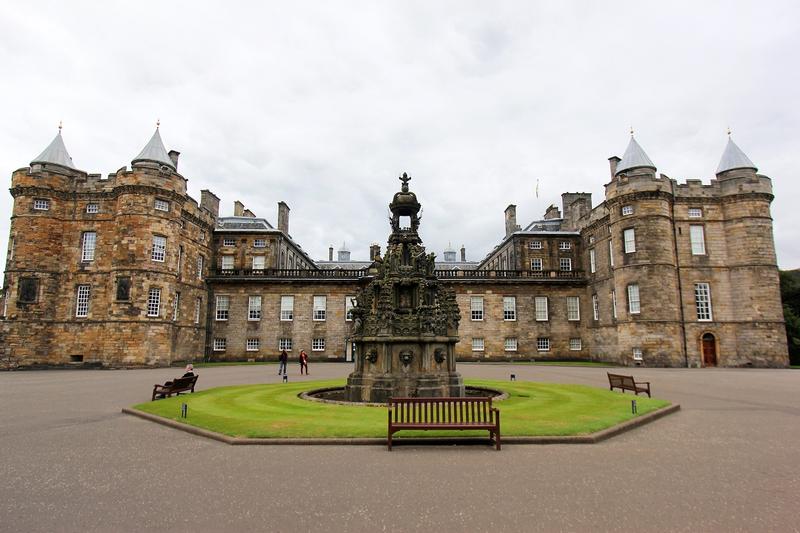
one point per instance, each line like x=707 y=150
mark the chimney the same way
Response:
x=374 y=251
x=613 y=161
x=283 y=217
x=463 y=254
x=238 y=208
x=552 y=212
x=210 y=202
x=173 y=155
x=330 y=253
x=248 y=213
x=511 y=219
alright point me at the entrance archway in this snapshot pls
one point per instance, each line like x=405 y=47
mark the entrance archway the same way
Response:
x=709 y=347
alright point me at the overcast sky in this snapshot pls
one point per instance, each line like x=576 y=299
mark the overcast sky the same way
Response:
x=324 y=104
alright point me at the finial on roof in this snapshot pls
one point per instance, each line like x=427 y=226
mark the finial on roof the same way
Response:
x=631 y=131
x=729 y=131
x=60 y=125
x=158 y=123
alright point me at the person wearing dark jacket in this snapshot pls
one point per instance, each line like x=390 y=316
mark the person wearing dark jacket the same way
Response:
x=303 y=362
x=284 y=357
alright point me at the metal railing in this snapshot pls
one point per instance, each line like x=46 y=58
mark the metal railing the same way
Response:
x=288 y=273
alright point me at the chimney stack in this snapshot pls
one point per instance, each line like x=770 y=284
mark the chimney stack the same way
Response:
x=173 y=155
x=463 y=254
x=613 y=161
x=238 y=208
x=511 y=219
x=374 y=251
x=330 y=253
x=210 y=202
x=283 y=217
x=248 y=213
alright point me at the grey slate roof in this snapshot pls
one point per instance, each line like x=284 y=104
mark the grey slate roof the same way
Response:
x=550 y=224
x=733 y=158
x=343 y=265
x=248 y=224
x=634 y=157
x=154 y=152
x=55 y=154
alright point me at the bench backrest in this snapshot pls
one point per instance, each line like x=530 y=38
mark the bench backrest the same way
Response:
x=181 y=383
x=441 y=410
x=617 y=380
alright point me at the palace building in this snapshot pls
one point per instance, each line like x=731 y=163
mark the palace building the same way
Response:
x=128 y=270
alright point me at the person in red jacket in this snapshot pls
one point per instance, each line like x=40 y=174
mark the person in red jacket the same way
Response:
x=303 y=362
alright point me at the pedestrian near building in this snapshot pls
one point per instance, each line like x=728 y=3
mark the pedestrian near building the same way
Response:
x=284 y=357
x=303 y=362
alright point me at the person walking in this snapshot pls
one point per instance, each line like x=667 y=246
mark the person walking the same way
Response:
x=303 y=362
x=284 y=357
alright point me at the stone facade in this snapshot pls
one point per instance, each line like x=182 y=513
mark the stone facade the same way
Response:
x=661 y=299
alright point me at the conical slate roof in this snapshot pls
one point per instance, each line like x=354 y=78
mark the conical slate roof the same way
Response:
x=634 y=157
x=733 y=158
x=154 y=152
x=55 y=154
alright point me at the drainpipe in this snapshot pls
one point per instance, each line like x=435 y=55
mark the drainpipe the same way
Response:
x=678 y=272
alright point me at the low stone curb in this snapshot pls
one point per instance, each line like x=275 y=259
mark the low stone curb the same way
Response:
x=576 y=439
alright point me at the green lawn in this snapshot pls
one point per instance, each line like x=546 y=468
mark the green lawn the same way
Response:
x=274 y=410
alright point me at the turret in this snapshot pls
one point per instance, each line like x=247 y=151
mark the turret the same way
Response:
x=344 y=253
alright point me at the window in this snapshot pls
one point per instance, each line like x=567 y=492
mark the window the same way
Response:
x=228 y=242
x=161 y=205
x=287 y=308
x=511 y=344
x=41 y=204
x=198 y=304
x=477 y=344
x=220 y=344
x=575 y=344
x=317 y=345
x=258 y=262
x=637 y=354
x=592 y=261
x=595 y=307
x=92 y=208
x=476 y=308
x=702 y=300
x=320 y=305
x=28 y=290
x=285 y=344
x=610 y=253
x=254 y=308
x=348 y=308
x=614 y=304
x=227 y=262
x=591 y=239
x=695 y=212
x=565 y=264
x=223 y=307
x=509 y=308
x=176 y=305
x=629 y=236
x=253 y=345
x=89 y=242
x=82 y=305
x=536 y=264
x=540 y=305
x=11 y=249
x=627 y=210
x=260 y=243
x=698 y=238
x=543 y=344
x=633 y=299
x=159 y=251
x=123 y=289
x=200 y=261
x=154 y=302
x=565 y=245
x=573 y=308
x=535 y=245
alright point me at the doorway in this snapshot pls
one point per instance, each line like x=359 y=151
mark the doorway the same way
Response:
x=709 y=343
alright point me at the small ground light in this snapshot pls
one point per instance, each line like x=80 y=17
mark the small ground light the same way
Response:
x=513 y=377
x=633 y=407
x=184 y=410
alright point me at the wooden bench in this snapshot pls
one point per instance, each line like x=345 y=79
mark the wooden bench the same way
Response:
x=176 y=386
x=444 y=413
x=617 y=381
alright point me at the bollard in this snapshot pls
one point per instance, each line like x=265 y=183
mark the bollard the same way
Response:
x=184 y=410
x=633 y=407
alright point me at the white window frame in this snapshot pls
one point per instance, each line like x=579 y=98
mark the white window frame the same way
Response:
x=200 y=263
x=629 y=238
x=610 y=253
x=565 y=245
x=535 y=245
x=573 y=308
x=510 y=344
x=575 y=344
x=220 y=344
x=318 y=344
x=154 y=302
x=161 y=205
x=536 y=264
x=227 y=262
x=510 y=308
x=627 y=210
x=228 y=241
x=88 y=245
x=253 y=344
x=478 y=344
x=595 y=307
x=540 y=308
x=254 y=308
x=287 y=308
x=543 y=344
x=159 y=250
x=285 y=343
x=348 y=308
x=637 y=354
x=634 y=299
x=82 y=296
x=476 y=308
x=565 y=264
x=41 y=204
x=592 y=261
x=614 y=303
x=260 y=243
x=222 y=307
x=198 y=304
x=320 y=308
x=695 y=212
x=176 y=305
x=92 y=208
x=702 y=302
x=261 y=260
x=697 y=237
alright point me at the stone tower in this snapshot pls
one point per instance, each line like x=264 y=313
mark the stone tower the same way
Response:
x=405 y=321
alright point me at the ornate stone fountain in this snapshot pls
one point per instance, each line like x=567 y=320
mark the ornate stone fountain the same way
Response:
x=405 y=321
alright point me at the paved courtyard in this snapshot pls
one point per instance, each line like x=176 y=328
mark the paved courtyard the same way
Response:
x=70 y=461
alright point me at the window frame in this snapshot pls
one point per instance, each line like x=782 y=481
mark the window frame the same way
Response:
x=319 y=313
x=510 y=344
x=82 y=298
x=198 y=306
x=478 y=344
x=633 y=290
x=539 y=262
x=592 y=261
x=229 y=241
x=289 y=310
x=476 y=314
x=694 y=212
x=703 y=308
x=41 y=204
x=285 y=343
x=254 y=312
x=154 y=303
x=88 y=246
x=542 y=344
x=318 y=344
x=262 y=259
x=259 y=243
x=573 y=308
x=697 y=239
x=227 y=258
x=565 y=264
x=626 y=210
x=92 y=208
x=564 y=245
x=159 y=204
x=220 y=344
x=509 y=311
x=535 y=245
x=222 y=312
x=595 y=306
x=252 y=344
x=632 y=241
x=158 y=249
x=348 y=308
x=575 y=346
x=543 y=314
